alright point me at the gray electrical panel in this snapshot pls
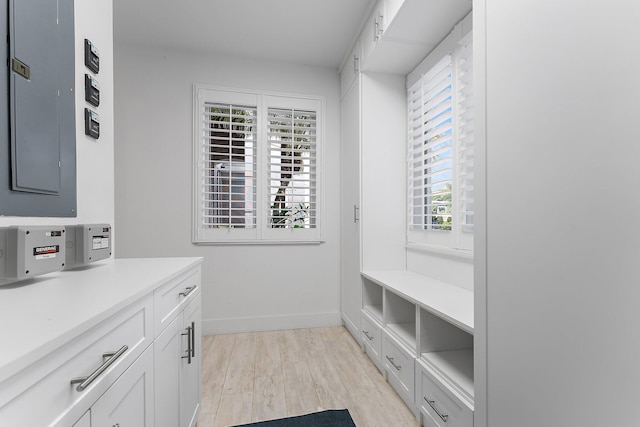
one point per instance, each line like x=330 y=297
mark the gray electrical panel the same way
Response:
x=29 y=251
x=87 y=243
x=37 y=109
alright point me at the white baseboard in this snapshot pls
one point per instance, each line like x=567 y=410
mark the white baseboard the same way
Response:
x=270 y=323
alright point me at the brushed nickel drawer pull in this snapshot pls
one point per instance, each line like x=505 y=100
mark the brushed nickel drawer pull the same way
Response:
x=432 y=403
x=366 y=334
x=193 y=339
x=390 y=359
x=188 y=290
x=189 y=351
x=111 y=357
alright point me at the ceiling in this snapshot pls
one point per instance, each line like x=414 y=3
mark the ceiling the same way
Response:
x=312 y=32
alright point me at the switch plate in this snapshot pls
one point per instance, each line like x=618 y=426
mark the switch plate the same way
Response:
x=91 y=123
x=91 y=90
x=91 y=56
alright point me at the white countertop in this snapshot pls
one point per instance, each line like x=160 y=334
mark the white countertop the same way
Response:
x=40 y=314
x=451 y=303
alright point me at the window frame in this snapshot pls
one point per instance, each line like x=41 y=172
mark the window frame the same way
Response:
x=459 y=240
x=262 y=233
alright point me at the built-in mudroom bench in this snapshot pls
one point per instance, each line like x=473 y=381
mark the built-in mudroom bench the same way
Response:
x=419 y=332
x=113 y=343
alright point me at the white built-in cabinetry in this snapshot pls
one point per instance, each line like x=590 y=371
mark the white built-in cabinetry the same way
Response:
x=89 y=346
x=418 y=331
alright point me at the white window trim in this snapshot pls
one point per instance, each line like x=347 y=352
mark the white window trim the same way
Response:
x=456 y=243
x=262 y=234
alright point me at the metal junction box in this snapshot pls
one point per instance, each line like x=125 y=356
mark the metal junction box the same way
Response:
x=87 y=243
x=29 y=251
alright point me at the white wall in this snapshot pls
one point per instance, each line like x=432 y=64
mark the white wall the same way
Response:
x=245 y=287
x=95 y=188
x=563 y=236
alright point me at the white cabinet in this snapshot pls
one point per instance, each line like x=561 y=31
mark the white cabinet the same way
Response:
x=83 y=345
x=350 y=72
x=426 y=329
x=372 y=339
x=177 y=363
x=167 y=352
x=129 y=401
x=190 y=369
x=399 y=367
x=439 y=405
x=350 y=265
x=400 y=33
x=71 y=378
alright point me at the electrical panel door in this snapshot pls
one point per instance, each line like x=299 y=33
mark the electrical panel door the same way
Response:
x=39 y=158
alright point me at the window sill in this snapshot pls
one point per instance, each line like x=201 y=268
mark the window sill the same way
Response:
x=259 y=242
x=440 y=250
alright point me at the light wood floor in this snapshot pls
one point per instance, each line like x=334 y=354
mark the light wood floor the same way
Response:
x=259 y=376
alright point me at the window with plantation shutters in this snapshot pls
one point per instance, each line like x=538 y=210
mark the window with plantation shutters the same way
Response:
x=431 y=149
x=440 y=146
x=229 y=166
x=257 y=174
x=292 y=168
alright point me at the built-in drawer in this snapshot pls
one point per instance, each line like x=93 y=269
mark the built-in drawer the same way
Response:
x=171 y=298
x=399 y=364
x=438 y=405
x=372 y=339
x=96 y=359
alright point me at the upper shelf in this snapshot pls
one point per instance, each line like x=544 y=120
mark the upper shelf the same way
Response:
x=407 y=31
x=449 y=302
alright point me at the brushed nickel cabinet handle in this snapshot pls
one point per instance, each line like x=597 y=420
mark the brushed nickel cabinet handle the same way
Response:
x=193 y=339
x=84 y=382
x=188 y=290
x=443 y=417
x=188 y=335
x=390 y=359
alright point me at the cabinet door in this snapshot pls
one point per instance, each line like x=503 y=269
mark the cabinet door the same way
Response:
x=129 y=401
x=351 y=286
x=372 y=32
x=167 y=353
x=190 y=368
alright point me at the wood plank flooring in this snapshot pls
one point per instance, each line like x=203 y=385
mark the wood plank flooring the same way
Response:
x=259 y=376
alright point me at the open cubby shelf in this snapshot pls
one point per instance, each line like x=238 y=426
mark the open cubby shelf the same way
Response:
x=431 y=318
x=455 y=367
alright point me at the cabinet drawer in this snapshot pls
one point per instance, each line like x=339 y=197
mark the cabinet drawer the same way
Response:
x=48 y=381
x=400 y=366
x=372 y=339
x=440 y=407
x=170 y=299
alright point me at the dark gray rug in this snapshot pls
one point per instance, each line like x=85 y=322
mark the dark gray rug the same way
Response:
x=331 y=418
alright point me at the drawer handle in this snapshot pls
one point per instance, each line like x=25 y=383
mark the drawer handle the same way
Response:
x=390 y=359
x=86 y=381
x=432 y=403
x=188 y=335
x=188 y=290
x=366 y=334
x=193 y=339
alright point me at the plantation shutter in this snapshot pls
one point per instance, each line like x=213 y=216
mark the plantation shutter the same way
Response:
x=229 y=165
x=465 y=133
x=292 y=168
x=431 y=149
